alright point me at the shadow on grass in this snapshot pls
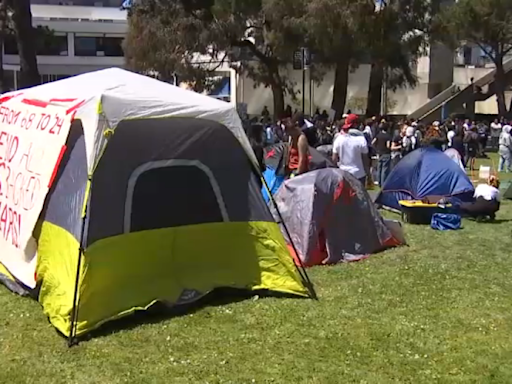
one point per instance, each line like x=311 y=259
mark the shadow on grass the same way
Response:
x=495 y=221
x=499 y=221
x=162 y=311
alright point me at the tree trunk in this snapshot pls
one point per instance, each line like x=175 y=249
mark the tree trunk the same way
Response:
x=499 y=86
x=3 y=28
x=278 y=95
x=277 y=87
x=510 y=110
x=26 y=37
x=339 y=93
x=375 y=90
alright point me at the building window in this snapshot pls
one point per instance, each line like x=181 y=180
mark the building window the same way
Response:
x=85 y=46
x=53 y=45
x=50 y=78
x=47 y=45
x=468 y=55
x=10 y=45
x=113 y=46
x=98 y=46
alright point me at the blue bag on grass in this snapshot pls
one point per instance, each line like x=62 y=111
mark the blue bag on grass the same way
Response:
x=446 y=222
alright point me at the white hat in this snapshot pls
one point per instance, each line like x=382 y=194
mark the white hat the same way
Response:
x=435 y=123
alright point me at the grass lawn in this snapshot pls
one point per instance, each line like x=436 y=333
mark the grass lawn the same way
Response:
x=438 y=310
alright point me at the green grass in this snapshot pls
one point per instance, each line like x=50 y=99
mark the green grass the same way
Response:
x=438 y=310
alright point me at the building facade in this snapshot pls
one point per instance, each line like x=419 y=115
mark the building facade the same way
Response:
x=87 y=35
x=83 y=39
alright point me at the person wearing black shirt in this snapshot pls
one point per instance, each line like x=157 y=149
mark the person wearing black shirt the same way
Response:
x=482 y=130
x=471 y=142
x=256 y=140
x=382 y=145
x=458 y=143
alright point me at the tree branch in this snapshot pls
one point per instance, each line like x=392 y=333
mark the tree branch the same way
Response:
x=487 y=52
x=255 y=51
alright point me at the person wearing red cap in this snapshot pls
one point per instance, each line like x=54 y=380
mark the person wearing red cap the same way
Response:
x=350 y=149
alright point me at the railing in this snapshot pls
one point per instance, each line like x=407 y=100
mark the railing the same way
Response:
x=433 y=103
x=454 y=91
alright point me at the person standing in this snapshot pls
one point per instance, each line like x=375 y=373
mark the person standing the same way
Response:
x=396 y=146
x=458 y=143
x=471 y=142
x=482 y=130
x=450 y=135
x=382 y=145
x=350 y=149
x=496 y=128
x=256 y=139
x=505 y=150
x=409 y=141
x=298 y=156
x=265 y=115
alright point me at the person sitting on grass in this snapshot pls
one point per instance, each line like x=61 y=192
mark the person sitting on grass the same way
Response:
x=487 y=201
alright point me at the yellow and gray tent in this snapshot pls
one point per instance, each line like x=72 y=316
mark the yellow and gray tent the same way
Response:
x=156 y=200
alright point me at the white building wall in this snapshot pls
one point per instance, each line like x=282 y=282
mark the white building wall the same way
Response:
x=403 y=101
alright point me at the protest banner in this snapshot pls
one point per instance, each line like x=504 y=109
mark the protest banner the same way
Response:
x=33 y=135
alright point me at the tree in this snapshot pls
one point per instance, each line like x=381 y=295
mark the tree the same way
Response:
x=332 y=27
x=173 y=37
x=487 y=24
x=396 y=34
x=21 y=17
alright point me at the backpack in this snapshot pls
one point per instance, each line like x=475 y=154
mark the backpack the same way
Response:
x=482 y=130
x=446 y=222
x=408 y=145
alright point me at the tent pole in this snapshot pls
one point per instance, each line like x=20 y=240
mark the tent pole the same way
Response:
x=301 y=269
x=74 y=311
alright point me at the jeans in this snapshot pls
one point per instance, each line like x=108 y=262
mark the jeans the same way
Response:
x=505 y=161
x=383 y=168
x=494 y=142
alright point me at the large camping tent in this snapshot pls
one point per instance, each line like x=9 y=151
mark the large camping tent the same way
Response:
x=156 y=199
x=330 y=217
x=425 y=172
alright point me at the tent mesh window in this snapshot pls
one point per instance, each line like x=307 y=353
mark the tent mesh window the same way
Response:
x=184 y=191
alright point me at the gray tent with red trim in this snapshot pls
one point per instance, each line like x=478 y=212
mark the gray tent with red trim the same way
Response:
x=330 y=218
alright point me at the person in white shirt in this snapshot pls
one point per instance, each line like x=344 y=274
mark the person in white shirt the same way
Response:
x=487 y=201
x=450 y=135
x=350 y=149
x=496 y=128
x=505 y=150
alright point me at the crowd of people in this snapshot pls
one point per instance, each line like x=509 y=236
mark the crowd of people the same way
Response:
x=370 y=148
